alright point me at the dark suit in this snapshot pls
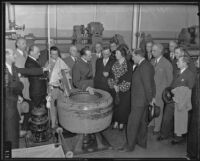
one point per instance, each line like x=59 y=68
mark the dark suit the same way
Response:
x=142 y=93
x=43 y=58
x=38 y=85
x=13 y=88
x=100 y=81
x=187 y=78
x=82 y=75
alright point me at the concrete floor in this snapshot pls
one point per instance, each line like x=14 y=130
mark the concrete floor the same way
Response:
x=155 y=149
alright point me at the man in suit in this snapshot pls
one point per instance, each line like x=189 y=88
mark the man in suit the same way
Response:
x=170 y=55
x=82 y=74
x=38 y=85
x=96 y=56
x=103 y=69
x=82 y=77
x=148 y=47
x=70 y=60
x=142 y=94
x=113 y=48
x=13 y=87
x=21 y=56
x=168 y=116
x=44 y=54
x=163 y=78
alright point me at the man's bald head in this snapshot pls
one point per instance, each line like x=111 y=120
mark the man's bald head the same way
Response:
x=21 y=43
x=73 y=51
x=172 y=46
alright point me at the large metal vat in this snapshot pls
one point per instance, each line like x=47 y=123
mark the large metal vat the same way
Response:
x=84 y=113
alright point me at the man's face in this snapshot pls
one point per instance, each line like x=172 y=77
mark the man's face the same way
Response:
x=98 y=48
x=36 y=52
x=88 y=55
x=54 y=54
x=113 y=47
x=155 y=51
x=22 y=44
x=178 y=53
x=135 y=58
x=172 y=46
x=180 y=63
x=73 y=51
x=106 y=53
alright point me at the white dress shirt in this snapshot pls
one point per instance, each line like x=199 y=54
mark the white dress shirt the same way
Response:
x=9 y=68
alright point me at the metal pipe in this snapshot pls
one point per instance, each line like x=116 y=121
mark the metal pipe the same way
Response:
x=11 y=16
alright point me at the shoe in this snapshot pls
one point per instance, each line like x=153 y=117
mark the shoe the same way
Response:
x=126 y=149
x=160 y=138
x=156 y=132
x=177 y=140
x=22 y=133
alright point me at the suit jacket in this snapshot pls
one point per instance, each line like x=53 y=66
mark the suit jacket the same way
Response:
x=93 y=62
x=187 y=78
x=82 y=74
x=13 y=87
x=143 y=88
x=101 y=82
x=163 y=76
x=20 y=63
x=37 y=82
x=43 y=58
x=70 y=63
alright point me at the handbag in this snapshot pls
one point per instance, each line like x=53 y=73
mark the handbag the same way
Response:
x=153 y=112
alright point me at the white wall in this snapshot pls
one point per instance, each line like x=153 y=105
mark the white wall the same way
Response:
x=159 y=20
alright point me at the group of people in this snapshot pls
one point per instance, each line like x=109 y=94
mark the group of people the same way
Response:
x=135 y=79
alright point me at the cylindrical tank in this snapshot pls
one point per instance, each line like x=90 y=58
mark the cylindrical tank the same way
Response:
x=84 y=113
x=39 y=125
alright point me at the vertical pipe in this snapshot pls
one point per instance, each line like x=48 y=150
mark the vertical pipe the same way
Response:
x=135 y=26
x=48 y=30
x=139 y=24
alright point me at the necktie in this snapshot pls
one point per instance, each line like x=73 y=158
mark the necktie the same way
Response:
x=156 y=62
x=104 y=62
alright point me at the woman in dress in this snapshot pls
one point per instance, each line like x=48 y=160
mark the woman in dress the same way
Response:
x=119 y=82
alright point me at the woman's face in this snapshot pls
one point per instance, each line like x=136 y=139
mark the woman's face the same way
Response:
x=149 y=47
x=118 y=55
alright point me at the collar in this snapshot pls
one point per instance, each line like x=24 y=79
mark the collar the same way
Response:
x=32 y=57
x=73 y=58
x=21 y=52
x=141 y=61
x=182 y=70
x=9 y=67
x=84 y=60
x=98 y=55
x=158 y=59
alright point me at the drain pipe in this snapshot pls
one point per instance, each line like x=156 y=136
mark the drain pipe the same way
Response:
x=11 y=16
